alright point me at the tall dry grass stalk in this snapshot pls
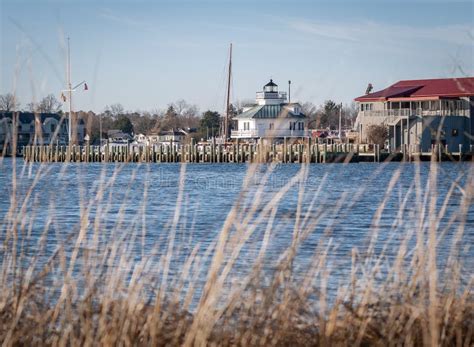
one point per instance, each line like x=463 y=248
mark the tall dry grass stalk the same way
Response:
x=93 y=289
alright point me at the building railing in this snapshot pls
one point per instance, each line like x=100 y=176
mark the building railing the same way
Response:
x=406 y=112
x=244 y=133
x=270 y=95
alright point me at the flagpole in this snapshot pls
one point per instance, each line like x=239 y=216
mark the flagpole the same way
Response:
x=69 y=90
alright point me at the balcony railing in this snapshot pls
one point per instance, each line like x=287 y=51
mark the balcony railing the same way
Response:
x=244 y=133
x=406 y=112
x=255 y=133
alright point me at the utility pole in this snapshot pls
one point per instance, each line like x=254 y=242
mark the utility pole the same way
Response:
x=100 y=130
x=289 y=92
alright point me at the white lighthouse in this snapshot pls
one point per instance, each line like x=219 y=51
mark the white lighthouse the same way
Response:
x=271 y=117
x=270 y=95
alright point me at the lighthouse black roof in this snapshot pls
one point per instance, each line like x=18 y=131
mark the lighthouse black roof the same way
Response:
x=271 y=84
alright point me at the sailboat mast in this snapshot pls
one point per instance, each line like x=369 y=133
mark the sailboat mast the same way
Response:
x=69 y=89
x=340 y=120
x=226 y=122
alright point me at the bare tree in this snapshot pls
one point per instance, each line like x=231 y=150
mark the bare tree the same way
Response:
x=115 y=110
x=349 y=113
x=184 y=109
x=377 y=134
x=240 y=104
x=143 y=122
x=8 y=103
x=181 y=114
x=49 y=104
x=313 y=113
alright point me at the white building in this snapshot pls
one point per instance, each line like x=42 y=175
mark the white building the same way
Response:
x=140 y=139
x=176 y=136
x=271 y=117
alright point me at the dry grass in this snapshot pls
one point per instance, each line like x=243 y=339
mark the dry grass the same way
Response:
x=90 y=290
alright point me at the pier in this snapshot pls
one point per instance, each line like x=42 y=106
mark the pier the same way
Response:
x=235 y=153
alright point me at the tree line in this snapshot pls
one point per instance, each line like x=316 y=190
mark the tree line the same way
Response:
x=179 y=114
x=326 y=116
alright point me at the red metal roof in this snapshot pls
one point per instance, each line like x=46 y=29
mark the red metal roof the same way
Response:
x=432 y=88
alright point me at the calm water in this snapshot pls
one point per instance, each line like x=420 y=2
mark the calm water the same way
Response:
x=138 y=206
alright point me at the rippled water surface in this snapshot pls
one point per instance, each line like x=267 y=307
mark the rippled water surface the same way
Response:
x=141 y=205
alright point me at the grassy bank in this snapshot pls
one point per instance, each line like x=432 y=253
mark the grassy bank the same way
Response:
x=90 y=289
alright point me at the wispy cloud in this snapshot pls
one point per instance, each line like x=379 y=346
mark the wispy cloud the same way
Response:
x=162 y=37
x=129 y=21
x=373 y=32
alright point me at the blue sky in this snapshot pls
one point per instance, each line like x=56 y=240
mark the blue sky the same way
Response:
x=146 y=54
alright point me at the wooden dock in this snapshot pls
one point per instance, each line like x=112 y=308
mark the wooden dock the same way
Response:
x=229 y=153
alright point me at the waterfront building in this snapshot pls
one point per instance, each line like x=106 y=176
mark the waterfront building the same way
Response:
x=38 y=128
x=117 y=138
x=140 y=139
x=420 y=113
x=176 y=136
x=271 y=117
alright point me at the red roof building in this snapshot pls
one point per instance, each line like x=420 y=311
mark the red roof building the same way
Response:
x=421 y=113
x=430 y=89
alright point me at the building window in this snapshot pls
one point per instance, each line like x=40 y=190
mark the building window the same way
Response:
x=271 y=126
x=437 y=134
x=52 y=128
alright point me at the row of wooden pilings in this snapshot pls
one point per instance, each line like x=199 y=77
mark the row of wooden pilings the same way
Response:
x=205 y=153
x=438 y=152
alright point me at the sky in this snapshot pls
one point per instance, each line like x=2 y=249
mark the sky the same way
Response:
x=147 y=54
